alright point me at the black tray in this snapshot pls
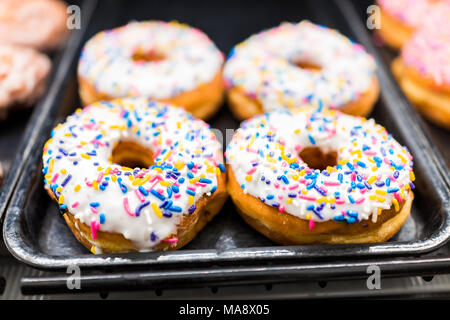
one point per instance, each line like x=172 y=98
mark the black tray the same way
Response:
x=36 y=234
x=18 y=133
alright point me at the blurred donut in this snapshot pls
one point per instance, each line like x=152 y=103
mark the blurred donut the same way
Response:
x=40 y=24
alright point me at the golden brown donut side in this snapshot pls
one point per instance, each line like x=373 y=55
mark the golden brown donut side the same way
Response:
x=203 y=102
x=190 y=225
x=287 y=229
x=430 y=99
x=244 y=107
x=393 y=32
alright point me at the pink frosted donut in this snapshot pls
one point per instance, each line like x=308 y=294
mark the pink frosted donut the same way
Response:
x=423 y=69
x=23 y=74
x=40 y=24
x=400 y=18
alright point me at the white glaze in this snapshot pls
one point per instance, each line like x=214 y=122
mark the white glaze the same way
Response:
x=191 y=59
x=165 y=130
x=263 y=66
x=255 y=159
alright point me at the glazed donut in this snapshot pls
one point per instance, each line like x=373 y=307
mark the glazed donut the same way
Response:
x=169 y=62
x=319 y=176
x=297 y=65
x=40 y=24
x=134 y=175
x=23 y=75
x=423 y=68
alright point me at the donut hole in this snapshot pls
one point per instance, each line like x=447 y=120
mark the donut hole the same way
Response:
x=315 y=158
x=144 y=56
x=307 y=65
x=132 y=155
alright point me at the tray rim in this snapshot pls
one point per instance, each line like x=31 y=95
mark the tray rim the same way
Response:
x=26 y=254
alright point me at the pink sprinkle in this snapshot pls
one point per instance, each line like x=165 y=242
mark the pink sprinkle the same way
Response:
x=353 y=176
x=295 y=186
x=397 y=196
x=360 y=200
x=331 y=184
x=281 y=208
x=55 y=177
x=251 y=171
x=311 y=224
x=308 y=198
x=340 y=201
x=100 y=177
x=75 y=204
x=176 y=195
x=392 y=178
x=276 y=185
x=94 y=210
x=94 y=227
x=127 y=207
x=171 y=240
x=139 y=195
x=280 y=197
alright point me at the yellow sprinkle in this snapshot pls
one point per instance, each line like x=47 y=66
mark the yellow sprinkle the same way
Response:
x=295 y=177
x=191 y=200
x=50 y=165
x=248 y=178
x=77 y=188
x=157 y=210
x=402 y=158
x=381 y=192
x=372 y=197
x=323 y=199
x=93 y=249
x=107 y=171
x=297 y=131
x=194 y=180
x=48 y=176
x=59 y=189
x=308 y=216
x=85 y=156
x=412 y=176
x=61 y=199
x=179 y=164
x=358 y=152
x=374 y=168
x=396 y=206
x=114 y=178
x=381 y=199
x=289 y=200
x=164 y=183
x=372 y=179
x=95 y=184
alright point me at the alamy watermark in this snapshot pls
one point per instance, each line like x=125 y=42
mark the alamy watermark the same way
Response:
x=374 y=19
x=73 y=21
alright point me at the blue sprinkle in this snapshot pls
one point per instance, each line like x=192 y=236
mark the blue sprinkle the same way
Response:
x=102 y=218
x=143 y=191
x=157 y=195
x=191 y=209
x=140 y=207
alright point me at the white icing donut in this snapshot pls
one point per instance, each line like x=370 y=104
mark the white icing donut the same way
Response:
x=144 y=205
x=190 y=60
x=374 y=172
x=263 y=66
